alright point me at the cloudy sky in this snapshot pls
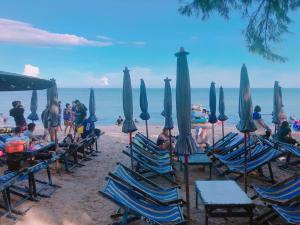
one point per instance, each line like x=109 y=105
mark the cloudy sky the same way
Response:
x=88 y=43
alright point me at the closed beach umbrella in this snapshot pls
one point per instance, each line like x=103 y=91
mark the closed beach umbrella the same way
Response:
x=185 y=143
x=277 y=105
x=33 y=107
x=167 y=112
x=222 y=117
x=52 y=101
x=213 y=108
x=92 y=106
x=128 y=125
x=144 y=105
x=246 y=124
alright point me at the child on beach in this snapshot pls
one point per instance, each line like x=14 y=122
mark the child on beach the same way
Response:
x=262 y=127
x=68 y=119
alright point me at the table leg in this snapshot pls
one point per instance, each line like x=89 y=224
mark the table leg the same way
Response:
x=206 y=217
x=210 y=166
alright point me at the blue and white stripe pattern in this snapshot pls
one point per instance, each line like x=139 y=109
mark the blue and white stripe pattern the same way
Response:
x=280 y=193
x=162 y=195
x=152 y=213
x=291 y=214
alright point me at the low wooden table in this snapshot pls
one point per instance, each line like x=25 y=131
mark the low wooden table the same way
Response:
x=198 y=159
x=223 y=199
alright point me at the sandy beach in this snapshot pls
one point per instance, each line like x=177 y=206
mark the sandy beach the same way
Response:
x=77 y=202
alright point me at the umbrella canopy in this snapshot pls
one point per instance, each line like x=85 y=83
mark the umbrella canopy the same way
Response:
x=92 y=106
x=222 y=116
x=185 y=143
x=17 y=82
x=212 y=104
x=128 y=125
x=33 y=107
x=277 y=103
x=52 y=102
x=246 y=123
x=144 y=101
x=167 y=112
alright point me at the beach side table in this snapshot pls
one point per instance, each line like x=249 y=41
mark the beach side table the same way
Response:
x=198 y=159
x=223 y=199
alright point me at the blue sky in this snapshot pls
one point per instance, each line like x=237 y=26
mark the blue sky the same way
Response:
x=88 y=44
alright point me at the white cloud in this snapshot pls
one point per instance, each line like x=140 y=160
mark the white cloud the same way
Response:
x=12 y=31
x=104 y=81
x=94 y=81
x=31 y=70
x=105 y=38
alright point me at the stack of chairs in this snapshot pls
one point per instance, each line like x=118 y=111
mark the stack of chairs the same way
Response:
x=140 y=198
x=283 y=198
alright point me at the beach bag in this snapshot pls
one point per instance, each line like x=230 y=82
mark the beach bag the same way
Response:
x=16 y=146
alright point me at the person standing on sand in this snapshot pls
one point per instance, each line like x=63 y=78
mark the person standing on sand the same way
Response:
x=262 y=127
x=68 y=119
x=45 y=118
x=17 y=112
x=59 y=116
x=80 y=113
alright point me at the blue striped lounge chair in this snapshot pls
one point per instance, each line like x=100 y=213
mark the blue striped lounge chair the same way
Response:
x=137 y=207
x=283 y=193
x=151 y=167
x=160 y=195
x=149 y=144
x=256 y=164
x=223 y=141
x=290 y=214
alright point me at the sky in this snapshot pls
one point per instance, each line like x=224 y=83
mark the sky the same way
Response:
x=88 y=43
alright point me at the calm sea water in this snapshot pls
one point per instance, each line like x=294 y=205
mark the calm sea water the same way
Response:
x=109 y=102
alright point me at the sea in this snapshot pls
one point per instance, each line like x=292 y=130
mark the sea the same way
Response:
x=109 y=102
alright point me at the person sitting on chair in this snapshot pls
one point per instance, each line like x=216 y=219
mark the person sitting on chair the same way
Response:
x=285 y=134
x=29 y=132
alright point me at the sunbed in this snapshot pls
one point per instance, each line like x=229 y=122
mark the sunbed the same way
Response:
x=222 y=142
x=139 y=207
x=139 y=183
x=283 y=193
x=162 y=160
x=149 y=144
x=290 y=214
x=256 y=164
x=150 y=167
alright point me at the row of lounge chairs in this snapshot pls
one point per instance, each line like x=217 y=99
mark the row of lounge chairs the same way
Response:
x=283 y=197
x=19 y=186
x=135 y=192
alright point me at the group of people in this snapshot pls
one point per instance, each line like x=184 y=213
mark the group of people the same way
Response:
x=74 y=117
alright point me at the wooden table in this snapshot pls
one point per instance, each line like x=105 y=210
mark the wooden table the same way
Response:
x=223 y=199
x=198 y=159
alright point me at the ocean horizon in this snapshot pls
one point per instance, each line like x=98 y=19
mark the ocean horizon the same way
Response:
x=109 y=102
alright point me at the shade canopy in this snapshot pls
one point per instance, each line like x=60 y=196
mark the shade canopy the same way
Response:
x=92 y=106
x=212 y=104
x=277 y=103
x=18 y=82
x=185 y=143
x=167 y=112
x=144 y=102
x=52 y=102
x=128 y=125
x=33 y=107
x=222 y=116
x=246 y=123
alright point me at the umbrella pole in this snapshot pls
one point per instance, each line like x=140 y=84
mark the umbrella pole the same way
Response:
x=213 y=134
x=170 y=147
x=223 y=129
x=146 y=121
x=187 y=188
x=245 y=163
x=130 y=145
